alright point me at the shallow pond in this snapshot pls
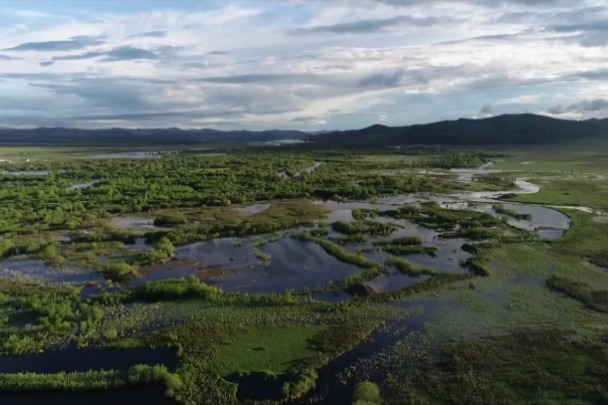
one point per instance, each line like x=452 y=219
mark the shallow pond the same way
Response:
x=38 y=271
x=548 y=223
x=131 y=155
x=133 y=222
x=79 y=186
x=395 y=281
x=230 y=264
x=25 y=172
x=73 y=359
x=148 y=394
x=254 y=208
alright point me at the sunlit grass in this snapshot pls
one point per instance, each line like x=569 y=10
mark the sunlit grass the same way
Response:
x=273 y=349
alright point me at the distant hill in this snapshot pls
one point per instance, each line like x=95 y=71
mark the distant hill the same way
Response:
x=516 y=129
x=122 y=136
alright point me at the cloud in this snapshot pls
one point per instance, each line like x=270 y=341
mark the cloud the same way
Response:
x=74 y=43
x=81 y=56
x=581 y=109
x=487 y=110
x=259 y=78
x=590 y=26
x=598 y=104
x=124 y=53
x=129 y=53
x=149 y=34
x=346 y=63
x=488 y=3
x=366 y=26
x=304 y=119
x=600 y=74
x=382 y=79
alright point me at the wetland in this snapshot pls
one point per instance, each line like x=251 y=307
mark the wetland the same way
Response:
x=299 y=277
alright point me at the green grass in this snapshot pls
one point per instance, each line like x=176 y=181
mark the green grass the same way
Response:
x=273 y=349
x=296 y=210
x=554 y=160
x=593 y=193
x=536 y=365
x=594 y=299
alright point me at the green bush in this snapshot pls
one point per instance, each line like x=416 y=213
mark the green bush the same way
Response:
x=366 y=393
x=119 y=271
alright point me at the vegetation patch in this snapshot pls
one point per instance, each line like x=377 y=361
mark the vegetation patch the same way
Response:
x=90 y=380
x=525 y=366
x=499 y=209
x=366 y=393
x=407 y=267
x=594 y=299
x=274 y=349
x=406 y=245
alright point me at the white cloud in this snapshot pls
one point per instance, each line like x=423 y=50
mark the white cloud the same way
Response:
x=241 y=65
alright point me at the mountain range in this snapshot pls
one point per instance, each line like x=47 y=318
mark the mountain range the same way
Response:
x=511 y=129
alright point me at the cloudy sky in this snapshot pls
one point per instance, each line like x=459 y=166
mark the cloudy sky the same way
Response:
x=310 y=65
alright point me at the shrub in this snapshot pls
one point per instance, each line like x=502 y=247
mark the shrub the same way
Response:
x=366 y=393
x=118 y=271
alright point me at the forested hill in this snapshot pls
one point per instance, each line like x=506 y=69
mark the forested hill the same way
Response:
x=519 y=129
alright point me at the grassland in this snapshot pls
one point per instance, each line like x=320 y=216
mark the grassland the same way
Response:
x=273 y=349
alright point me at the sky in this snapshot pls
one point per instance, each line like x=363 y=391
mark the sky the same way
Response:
x=298 y=64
